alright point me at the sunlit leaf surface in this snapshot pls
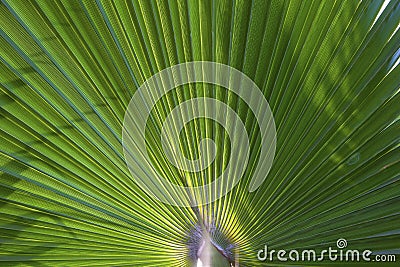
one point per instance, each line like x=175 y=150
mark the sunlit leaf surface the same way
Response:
x=68 y=70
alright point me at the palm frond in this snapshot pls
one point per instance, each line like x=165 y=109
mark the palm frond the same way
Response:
x=68 y=69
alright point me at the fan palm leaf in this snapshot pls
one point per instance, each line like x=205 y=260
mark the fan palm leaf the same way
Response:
x=68 y=69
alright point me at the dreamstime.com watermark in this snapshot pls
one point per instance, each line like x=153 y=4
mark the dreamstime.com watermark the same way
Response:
x=338 y=253
x=139 y=110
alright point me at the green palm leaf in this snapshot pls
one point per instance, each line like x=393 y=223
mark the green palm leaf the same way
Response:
x=68 y=69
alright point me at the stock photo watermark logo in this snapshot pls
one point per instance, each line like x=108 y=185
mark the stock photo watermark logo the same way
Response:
x=153 y=89
x=338 y=253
